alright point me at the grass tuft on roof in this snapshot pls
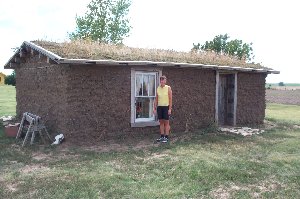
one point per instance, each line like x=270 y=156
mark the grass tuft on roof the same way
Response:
x=84 y=49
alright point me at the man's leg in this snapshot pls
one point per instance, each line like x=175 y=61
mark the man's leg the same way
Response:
x=162 y=130
x=167 y=131
x=162 y=127
x=167 y=127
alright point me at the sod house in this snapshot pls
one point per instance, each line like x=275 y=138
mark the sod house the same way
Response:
x=89 y=91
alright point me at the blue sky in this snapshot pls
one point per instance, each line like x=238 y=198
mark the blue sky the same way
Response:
x=169 y=24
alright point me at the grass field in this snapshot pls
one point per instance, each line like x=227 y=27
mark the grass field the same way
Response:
x=285 y=87
x=283 y=113
x=205 y=164
x=285 y=84
x=7 y=100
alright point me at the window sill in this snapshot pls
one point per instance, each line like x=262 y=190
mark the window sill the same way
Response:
x=145 y=124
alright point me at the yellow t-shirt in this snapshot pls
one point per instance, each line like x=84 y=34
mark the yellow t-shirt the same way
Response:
x=163 y=96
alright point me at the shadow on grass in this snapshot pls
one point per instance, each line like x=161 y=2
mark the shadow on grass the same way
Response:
x=138 y=143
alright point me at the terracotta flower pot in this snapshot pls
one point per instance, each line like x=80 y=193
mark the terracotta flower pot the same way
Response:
x=11 y=130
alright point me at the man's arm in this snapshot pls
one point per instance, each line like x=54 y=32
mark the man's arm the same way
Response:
x=170 y=100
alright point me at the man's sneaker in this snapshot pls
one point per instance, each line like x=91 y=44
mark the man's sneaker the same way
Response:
x=165 y=140
x=160 y=139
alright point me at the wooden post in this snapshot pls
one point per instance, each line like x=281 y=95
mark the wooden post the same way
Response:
x=28 y=132
x=21 y=126
x=217 y=98
x=13 y=65
x=235 y=99
x=17 y=60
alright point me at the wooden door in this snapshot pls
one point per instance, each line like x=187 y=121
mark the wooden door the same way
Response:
x=226 y=99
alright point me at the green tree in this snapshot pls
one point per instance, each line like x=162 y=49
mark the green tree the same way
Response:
x=221 y=45
x=281 y=84
x=11 y=79
x=105 y=21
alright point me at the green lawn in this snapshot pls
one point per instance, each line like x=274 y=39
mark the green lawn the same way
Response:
x=7 y=100
x=203 y=164
x=283 y=113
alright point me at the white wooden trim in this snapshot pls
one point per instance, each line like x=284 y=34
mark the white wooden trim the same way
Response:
x=141 y=123
x=150 y=119
x=148 y=73
x=235 y=99
x=132 y=101
x=217 y=98
x=145 y=124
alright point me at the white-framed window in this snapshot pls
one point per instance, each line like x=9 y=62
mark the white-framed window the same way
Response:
x=143 y=94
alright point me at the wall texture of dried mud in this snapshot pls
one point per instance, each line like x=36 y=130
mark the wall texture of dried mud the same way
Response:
x=251 y=102
x=193 y=97
x=40 y=89
x=89 y=103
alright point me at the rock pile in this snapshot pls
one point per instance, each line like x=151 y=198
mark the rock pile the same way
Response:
x=244 y=131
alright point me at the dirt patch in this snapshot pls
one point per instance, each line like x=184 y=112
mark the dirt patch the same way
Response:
x=33 y=168
x=156 y=156
x=120 y=147
x=16 y=147
x=269 y=125
x=296 y=126
x=220 y=193
x=41 y=156
x=63 y=154
x=283 y=96
x=1 y=179
x=255 y=190
x=285 y=87
x=127 y=143
x=12 y=187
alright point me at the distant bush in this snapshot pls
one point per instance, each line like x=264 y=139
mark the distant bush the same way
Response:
x=11 y=79
x=281 y=84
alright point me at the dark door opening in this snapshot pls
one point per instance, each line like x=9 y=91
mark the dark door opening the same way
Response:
x=226 y=99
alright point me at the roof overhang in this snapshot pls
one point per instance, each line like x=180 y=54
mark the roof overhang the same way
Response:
x=29 y=46
x=165 y=64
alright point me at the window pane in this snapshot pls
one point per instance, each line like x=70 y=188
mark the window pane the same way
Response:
x=151 y=85
x=145 y=85
x=139 y=85
x=144 y=107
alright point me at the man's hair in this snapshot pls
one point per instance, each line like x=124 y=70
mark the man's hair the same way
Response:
x=163 y=77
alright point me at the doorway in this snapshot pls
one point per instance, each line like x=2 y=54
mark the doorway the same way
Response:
x=226 y=96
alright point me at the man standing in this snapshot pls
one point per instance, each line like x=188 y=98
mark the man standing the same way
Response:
x=163 y=107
